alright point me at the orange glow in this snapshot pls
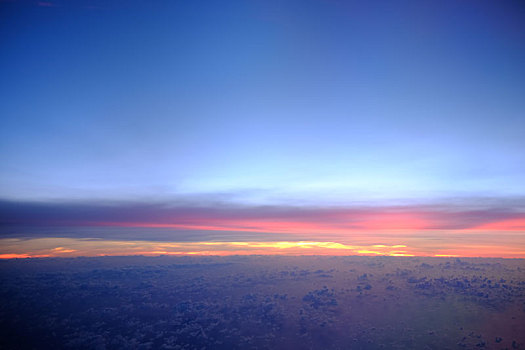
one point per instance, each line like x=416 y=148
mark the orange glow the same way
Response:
x=477 y=246
x=14 y=256
x=446 y=255
x=23 y=256
x=401 y=254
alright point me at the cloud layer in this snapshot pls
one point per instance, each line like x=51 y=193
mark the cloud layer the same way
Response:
x=476 y=214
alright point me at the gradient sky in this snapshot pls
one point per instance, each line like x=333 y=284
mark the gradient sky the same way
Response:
x=381 y=107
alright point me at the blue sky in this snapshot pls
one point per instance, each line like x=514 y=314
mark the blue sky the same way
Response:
x=266 y=101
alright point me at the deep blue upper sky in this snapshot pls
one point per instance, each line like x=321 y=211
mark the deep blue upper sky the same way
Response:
x=324 y=101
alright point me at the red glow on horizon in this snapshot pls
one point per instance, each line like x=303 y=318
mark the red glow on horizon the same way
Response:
x=338 y=232
x=505 y=225
x=396 y=222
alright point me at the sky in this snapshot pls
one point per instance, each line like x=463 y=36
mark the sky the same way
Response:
x=352 y=122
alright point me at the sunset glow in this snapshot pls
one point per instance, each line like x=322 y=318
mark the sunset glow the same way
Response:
x=69 y=247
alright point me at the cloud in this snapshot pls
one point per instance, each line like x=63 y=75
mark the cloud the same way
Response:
x=200 y=214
